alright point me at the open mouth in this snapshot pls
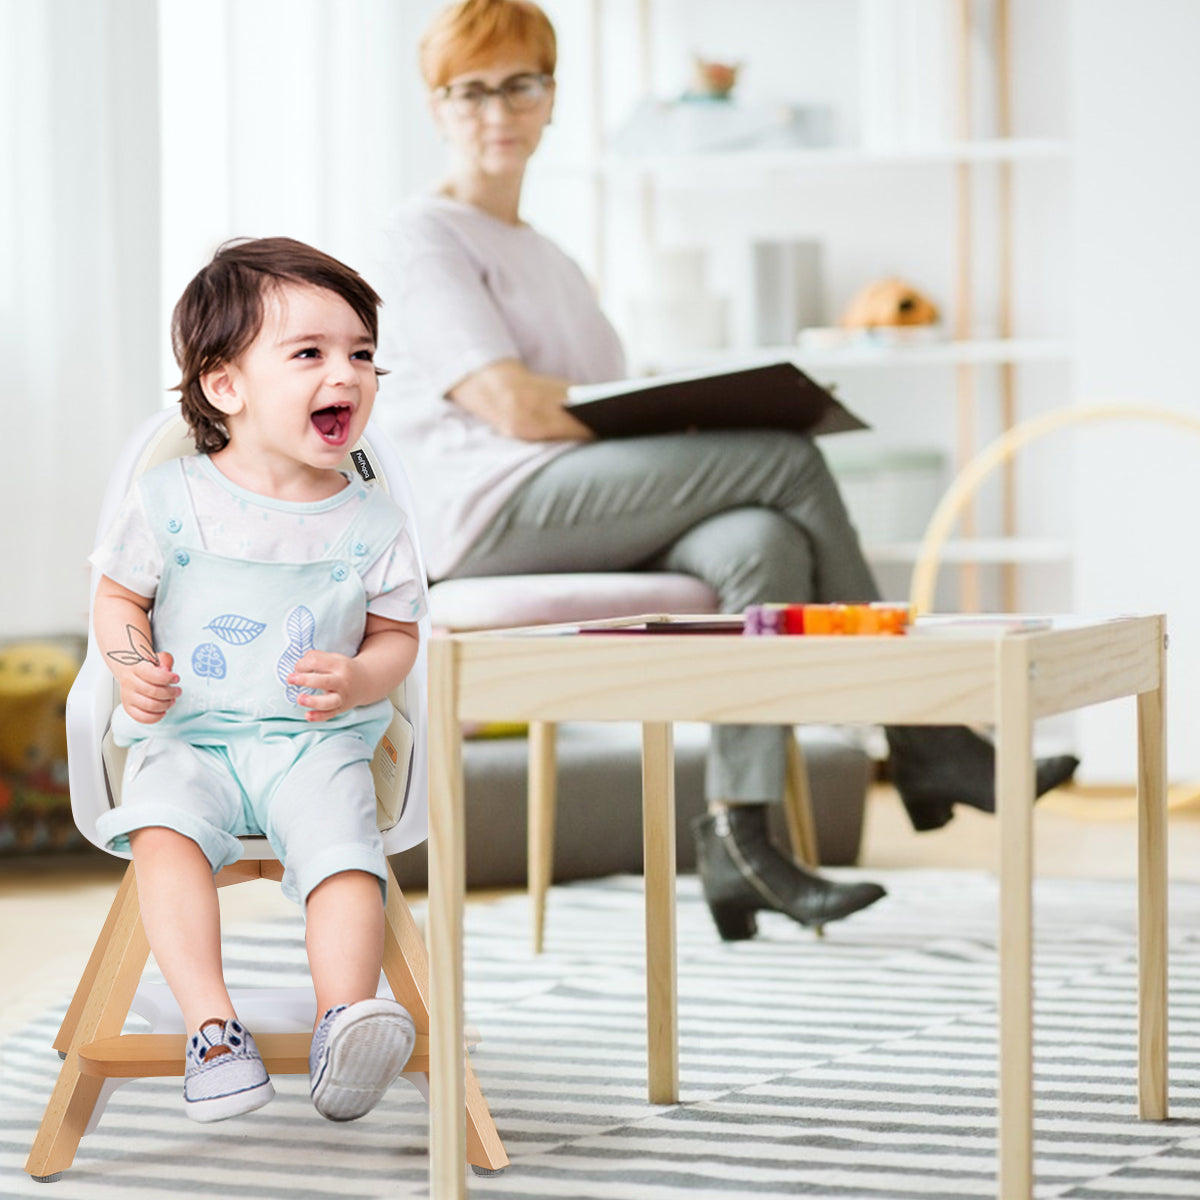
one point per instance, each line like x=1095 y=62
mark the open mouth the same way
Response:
x=333 y=423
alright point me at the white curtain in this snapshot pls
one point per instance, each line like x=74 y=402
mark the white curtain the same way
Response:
x=135 y=136
x=296 y=117
x=78 y=284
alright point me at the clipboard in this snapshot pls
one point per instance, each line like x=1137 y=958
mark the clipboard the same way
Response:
x=776 y=395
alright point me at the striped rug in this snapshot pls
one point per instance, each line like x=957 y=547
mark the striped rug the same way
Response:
x=862 y=1065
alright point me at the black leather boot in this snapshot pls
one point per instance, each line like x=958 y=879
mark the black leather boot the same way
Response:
x=935 y=767
x=743 y=873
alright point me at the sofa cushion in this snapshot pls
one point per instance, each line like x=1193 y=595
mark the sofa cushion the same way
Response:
x=502 y=601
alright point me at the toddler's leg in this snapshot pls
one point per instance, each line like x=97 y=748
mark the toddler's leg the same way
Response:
x=224 y=1074
x=344 y=938
x=177 y=803
x=360 y=1043
x=183 y=921
x=322 y=819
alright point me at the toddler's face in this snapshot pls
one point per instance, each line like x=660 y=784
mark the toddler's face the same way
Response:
x=304 y=388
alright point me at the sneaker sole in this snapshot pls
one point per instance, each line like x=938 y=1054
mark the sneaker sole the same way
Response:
x=363 y=1057
x=218 y=1108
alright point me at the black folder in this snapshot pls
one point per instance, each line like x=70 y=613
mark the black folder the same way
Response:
x=774 y=396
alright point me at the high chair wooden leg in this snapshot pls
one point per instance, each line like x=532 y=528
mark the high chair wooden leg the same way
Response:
x=797 y=807
x=240 y=871
x=542 y=805
x=113 y=973
x=406 y=968
x=66 y=1031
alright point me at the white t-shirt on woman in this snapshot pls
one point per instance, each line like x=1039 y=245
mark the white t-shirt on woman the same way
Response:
x=461 y=290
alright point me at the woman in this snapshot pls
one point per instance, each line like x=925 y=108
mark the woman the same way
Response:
x=485 y=324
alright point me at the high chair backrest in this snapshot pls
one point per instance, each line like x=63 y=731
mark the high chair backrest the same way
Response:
x=95 y=763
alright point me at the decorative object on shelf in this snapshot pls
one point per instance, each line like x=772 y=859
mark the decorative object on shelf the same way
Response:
x=889 y=303
x=675 y=313
x=888 y=312
x=713 y=80
x=786 y=289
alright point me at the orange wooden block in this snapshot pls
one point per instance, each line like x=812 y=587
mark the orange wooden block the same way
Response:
x=822 y=619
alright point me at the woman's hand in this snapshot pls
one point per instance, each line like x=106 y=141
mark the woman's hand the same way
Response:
x=520 y=404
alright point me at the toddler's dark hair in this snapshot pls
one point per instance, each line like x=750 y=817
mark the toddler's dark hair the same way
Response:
x=221 y=312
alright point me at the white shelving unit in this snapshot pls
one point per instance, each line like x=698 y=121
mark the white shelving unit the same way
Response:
x=976 y=221
x=973 y=352
x=734 y=166
x=738 y=167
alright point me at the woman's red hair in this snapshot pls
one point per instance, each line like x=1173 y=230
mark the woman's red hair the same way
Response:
x=473 y=33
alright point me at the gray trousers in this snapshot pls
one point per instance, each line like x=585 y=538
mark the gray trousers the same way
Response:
x=755 y=514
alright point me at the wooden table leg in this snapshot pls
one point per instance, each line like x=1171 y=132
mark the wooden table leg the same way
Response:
x=1152 y=899
x=541 y=807
x=658 y=827
x=1014 y=811
x=447 y=871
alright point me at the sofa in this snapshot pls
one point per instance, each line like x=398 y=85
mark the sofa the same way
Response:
x=599 y=827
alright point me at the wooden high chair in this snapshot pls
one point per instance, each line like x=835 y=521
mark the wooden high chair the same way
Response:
x=97 y=1058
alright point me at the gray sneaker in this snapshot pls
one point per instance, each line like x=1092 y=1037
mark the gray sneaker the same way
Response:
x=357 y=1052
x=224 y=1074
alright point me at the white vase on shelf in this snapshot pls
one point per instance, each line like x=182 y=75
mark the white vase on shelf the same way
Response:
x=906 y=74
x=786 y=290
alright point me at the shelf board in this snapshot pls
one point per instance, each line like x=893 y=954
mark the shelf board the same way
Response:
x=732 y=165
x=976 y=550
x=977 y=351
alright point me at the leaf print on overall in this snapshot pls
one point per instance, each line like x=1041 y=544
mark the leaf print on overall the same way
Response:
x=235 y=630
x=299 y=628
x=208 y=662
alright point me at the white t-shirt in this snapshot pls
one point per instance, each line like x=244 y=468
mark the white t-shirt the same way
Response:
x=463 y=289
x=237 y=523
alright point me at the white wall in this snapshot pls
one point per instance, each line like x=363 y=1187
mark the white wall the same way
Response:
x=1135 y=99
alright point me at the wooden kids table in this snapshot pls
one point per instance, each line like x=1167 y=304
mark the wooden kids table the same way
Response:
x=973 y=673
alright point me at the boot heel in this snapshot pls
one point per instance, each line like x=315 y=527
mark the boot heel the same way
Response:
x=735 y=923
x=926 y=817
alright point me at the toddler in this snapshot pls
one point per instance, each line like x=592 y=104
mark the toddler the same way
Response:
x=257 y=605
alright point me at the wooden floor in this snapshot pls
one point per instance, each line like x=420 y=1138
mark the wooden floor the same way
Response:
x=51 y=912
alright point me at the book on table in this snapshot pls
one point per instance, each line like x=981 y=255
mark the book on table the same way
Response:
x=775 y=395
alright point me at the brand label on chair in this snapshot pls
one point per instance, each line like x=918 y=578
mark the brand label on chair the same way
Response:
x=363 y=463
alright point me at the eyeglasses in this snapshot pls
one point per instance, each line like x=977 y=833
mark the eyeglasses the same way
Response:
x=519 y=93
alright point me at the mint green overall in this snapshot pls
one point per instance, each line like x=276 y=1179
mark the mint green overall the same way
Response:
x=236 y=755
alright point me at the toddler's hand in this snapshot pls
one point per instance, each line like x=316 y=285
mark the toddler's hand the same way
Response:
x=332 y=678
x=148 y=691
